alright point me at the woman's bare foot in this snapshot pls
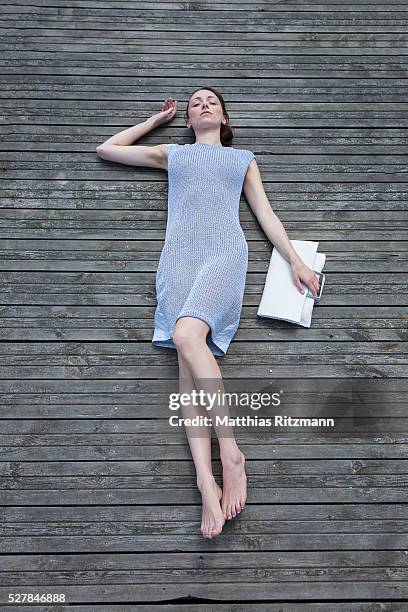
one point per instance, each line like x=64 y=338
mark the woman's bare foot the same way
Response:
x=212 y=520
x=234 y=485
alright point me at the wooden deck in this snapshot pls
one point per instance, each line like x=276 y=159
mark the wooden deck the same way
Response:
x=98 y=496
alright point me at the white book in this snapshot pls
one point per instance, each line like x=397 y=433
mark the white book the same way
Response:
x=281 y=299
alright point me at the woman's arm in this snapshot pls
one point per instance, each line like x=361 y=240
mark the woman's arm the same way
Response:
x=273 y=228
x=118 y=148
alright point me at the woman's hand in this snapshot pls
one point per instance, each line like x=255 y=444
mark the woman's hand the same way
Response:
x=169 y=109
x=301 y=272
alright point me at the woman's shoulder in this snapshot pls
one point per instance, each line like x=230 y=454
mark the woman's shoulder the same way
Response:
x=172 y=147
x=247 y=155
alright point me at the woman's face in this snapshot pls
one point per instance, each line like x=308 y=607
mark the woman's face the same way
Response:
x=204 y=109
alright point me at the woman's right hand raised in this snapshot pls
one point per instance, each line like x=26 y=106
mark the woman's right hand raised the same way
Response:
x=169 y=109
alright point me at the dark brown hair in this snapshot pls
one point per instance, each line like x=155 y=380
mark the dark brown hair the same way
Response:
x=226 y=134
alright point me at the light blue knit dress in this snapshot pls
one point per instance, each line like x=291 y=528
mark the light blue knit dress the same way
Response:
x=203 y=265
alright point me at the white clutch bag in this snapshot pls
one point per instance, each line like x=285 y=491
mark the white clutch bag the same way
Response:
x=281 y=299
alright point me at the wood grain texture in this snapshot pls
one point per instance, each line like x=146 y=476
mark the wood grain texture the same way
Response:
x=98 y=496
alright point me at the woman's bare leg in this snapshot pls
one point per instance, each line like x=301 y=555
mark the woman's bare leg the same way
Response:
x=189 y=337
x=199 y=440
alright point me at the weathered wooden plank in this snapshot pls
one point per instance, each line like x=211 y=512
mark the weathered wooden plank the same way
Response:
x=394 y=67
x=193 y=542
x=314 y=89
x=311 y=165
x=63 y=260
x=338 y=606
x=203 y=575
x=139 y=287
x=253 y=110
x=189 y=53
x=151 y=225
x=67 y=262
x=83 y=191
x=261 y=356
x=348 y=119
x=254 y=21
x=139 y=295
x=393 y=386
x=338 y=487
x=395 y=217
x=305 y=46
x=307 y=231
x=260 y=606
x=302 y=591
x=133 y=279
x=243 y=359
x=336 y=319
x=184 y=468
x=281 y=145
x=150 y=249
x=379 y=370
x=333 y=513
x=393 y=428
x=141 y=333
x=73 y=436
x=244 y=354
x=48 y=49
x=315 y=165
x=274 y=6
x=215 y=13
x=293 y=199
x=311 y=88
x=141 y=254
x=155 y=406
x=145 y=350
x=387 y=447
x=300 y=5
x=152 y=88
x=385 y=365
x=145 y=392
